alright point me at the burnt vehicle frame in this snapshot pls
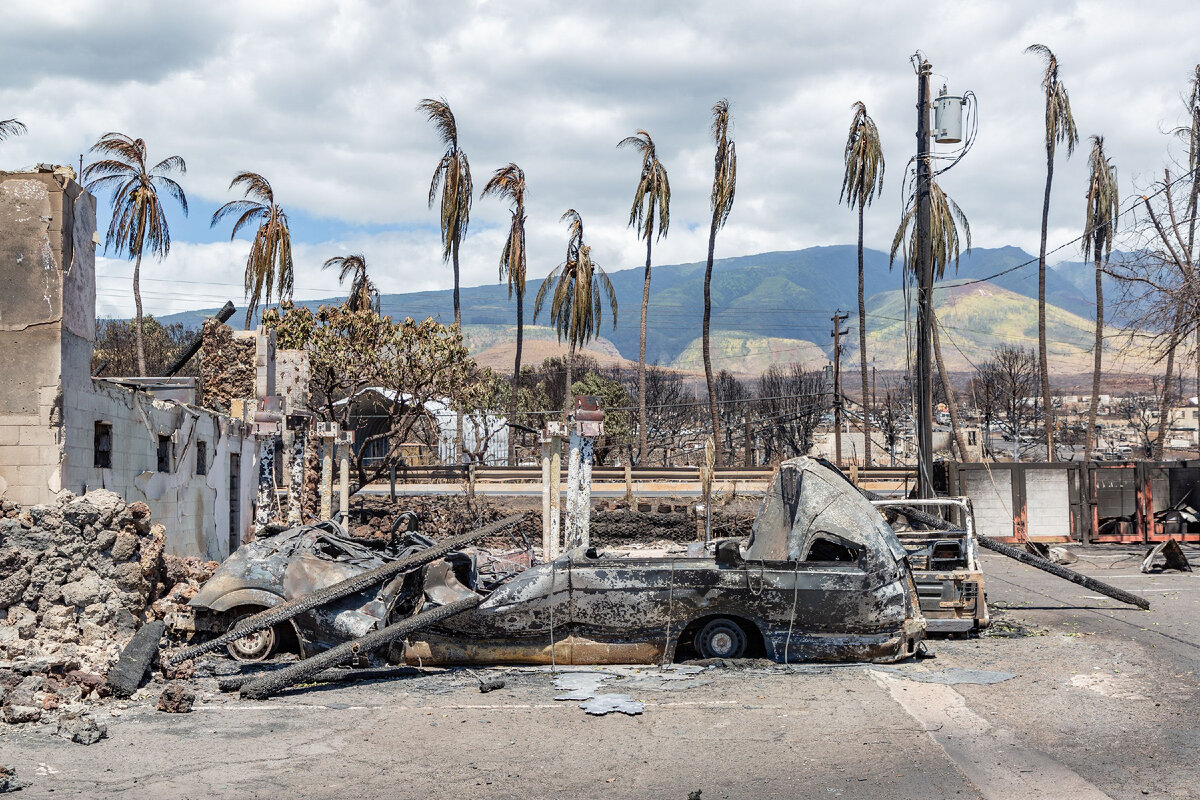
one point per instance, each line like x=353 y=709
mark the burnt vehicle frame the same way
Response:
x=945 y=563
x=820 y=577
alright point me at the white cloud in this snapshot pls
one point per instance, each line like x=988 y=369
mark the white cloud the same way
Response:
x=319 y=97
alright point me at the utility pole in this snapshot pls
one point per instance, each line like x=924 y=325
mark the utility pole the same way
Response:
x=837 y=333
x=871 y=410
x=924 y=273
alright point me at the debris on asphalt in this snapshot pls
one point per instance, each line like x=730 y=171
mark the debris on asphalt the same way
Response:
x=8 y=779
x=585 y=686
x=952 y=676
x=81 y=728
x=1165 y=556
x=176 y=698
x=603 y=704
x=126 y=675
x=487 y=684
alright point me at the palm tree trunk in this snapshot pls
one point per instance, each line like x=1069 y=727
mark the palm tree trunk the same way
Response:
x=458 y=422
x=862 y=345
x=718 y=443
x=570 y=368
x=948 y=390
x=1093 y=407
x=137 y=302
x=642 y=421
x=1043 y=365
x=516 y=381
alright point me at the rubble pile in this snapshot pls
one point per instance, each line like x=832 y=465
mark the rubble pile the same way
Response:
x=613 y=522
x=78 y=577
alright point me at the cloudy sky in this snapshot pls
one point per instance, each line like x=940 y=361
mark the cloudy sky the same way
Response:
x=319 y=97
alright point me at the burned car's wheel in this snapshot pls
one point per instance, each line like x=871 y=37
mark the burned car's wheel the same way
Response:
x=721 y=638
x=253 y=647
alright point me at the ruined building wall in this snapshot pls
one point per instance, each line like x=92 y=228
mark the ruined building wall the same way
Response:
x=47 y=323
x=62 y=430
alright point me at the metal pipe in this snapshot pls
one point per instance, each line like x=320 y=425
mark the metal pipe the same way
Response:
x=197 y=341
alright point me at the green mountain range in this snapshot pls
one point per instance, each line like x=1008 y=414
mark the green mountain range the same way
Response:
x=776 y=307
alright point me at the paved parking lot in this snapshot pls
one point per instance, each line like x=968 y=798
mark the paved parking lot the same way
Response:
x=1078 y=697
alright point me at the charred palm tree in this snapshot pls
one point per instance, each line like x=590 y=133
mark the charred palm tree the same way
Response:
x=651 y=212
x=1060 y=129
x=138 y=221
x=1103 y=208
x=862 y=182
x=721 y=202
x=509 y=183
x=11 y=127
x=453 y=176
x=362 y=295
x=269 y=263
x=576 y=289
x=946 y=220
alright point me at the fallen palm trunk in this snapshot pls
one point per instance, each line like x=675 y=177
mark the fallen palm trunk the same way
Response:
x=292 y=608
x=1064 y=573
x=328 y=676
x=264 y=686
x=1100 y=587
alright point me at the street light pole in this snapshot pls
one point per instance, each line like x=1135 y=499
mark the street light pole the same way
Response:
x=924 y=273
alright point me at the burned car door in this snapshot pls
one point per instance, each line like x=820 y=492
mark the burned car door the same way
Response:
x=515 y=625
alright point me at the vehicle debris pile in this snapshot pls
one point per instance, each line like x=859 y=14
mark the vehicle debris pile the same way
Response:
x=78 y=577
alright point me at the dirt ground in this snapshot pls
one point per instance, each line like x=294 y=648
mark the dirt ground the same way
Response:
x=1076 y=697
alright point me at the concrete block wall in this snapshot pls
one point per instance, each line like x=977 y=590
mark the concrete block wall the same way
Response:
x=47 y=322
x=49 y=404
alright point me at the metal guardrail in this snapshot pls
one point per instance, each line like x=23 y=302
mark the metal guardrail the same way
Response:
x=533 y=474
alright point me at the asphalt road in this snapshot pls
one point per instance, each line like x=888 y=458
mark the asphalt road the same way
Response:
x=1103 y=701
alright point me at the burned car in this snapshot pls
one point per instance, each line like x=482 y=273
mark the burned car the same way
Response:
x=292 y=563
x=945 y=563
x=820 y=577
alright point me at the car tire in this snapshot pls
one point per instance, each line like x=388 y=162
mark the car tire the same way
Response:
x=253 y=647
x=721 y=638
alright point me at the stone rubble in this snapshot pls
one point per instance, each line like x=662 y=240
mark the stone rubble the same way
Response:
x=78 y=577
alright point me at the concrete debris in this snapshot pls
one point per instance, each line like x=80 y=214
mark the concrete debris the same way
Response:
x=8 y=779
x=81 y=728
x=603 y=704
x=78 y=578
x=580 y=685
x=1165 y=556
x=176 y=698
x=585 y=686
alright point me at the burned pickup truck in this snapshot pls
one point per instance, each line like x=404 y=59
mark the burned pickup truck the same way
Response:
x=820 y=577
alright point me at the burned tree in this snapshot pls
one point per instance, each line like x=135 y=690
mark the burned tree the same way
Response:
x=1012 y=375
x=790 y=404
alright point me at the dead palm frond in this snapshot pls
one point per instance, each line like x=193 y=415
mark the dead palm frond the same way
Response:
x=945 y=223
x=508 y=183
x=576 y=289
x=863 y=179
x=138 y=222
x=1103 y=203
x=362 y=295
x=453 y=176
x=1060 y=124
x=11 y=127
x=724 y=166
x=269 y=264
x=653 y=193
